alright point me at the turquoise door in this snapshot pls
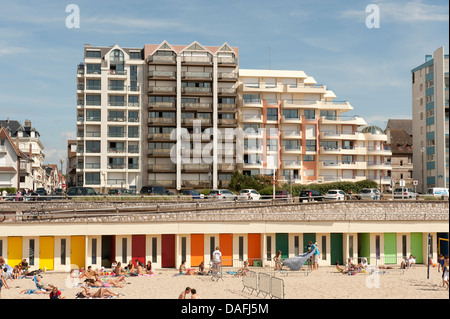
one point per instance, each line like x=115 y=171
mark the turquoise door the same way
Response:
x=282 y=243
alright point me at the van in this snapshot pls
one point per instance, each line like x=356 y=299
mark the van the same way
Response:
x=437 y=191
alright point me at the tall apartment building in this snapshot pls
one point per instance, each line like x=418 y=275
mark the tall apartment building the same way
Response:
x=430 y=82
x=109 y=112
x=294 y=125
x=192 y=102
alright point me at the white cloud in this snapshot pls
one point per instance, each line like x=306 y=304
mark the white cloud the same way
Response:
x=410 y=12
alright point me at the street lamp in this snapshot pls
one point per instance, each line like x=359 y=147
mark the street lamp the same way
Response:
x=422 y=150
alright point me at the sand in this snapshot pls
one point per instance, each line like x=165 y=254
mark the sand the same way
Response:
x=325 y=283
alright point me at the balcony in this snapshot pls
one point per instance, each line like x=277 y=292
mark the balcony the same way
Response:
x=134 y=88
x=227 y=107
x=196 y=90
x=134 y=149
x=93 y=119
x=159 y=136
x=341 y=120
x=93 y=134
x=88 y=166
x=117 y=118
x=252 y=103
x=133 y=166
x=162 y=90
x=251 y=118
x=161 y=120
x=117 y=87
x=302 y=88
x=291 y=120
x=159 y=151
x=379 y=150
x=162 y=168
x=116 y=134
x=379 y=165
x=196 y=60
x=227 y=122
x=291 y=149
x=295 y=104
x=119 y=166
x=196 y=75
x=162 y=59
x=162 y=75
x=226 y=167
x=118 y=72
x=162 y=105
x=195 y=121
x=292 y=164
x=117 y=103
x=291 y=134
x=227 y=91
x=116 y=182
x=202 y=107
x=227 y=76
x=227 y=60
x=116 y=150
x=195 y=184
x=196 y=168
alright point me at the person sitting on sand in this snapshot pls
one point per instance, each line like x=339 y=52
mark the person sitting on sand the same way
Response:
x=139 y=269
x=16 y=272
x=339 y=268
x=278 y=261
x=89 y=273
x=182 y=270
x=130 y=267
x=201 y=269
x=149 y=268
x=411 y=261
x=23 y=266
x=40 y=285
x=119 y=271
x=194 y=294
x=56 y=294
x=184 y=293
x=351 y=266
x=243 y=271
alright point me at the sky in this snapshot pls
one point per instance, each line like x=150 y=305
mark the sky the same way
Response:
x=327 y=39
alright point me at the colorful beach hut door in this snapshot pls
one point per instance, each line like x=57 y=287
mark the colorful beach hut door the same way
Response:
x=390 y=248
x=108 y=250
x=46 y=253
x=307 y=238
x=337 y=249
x=168 y=251
x=77 y=252
x=226 y=248
x=14 y=254
x=138 y=248
x=282 y=244
x=417 y=247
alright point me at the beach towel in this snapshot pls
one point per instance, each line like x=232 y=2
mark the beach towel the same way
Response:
x=296 y=262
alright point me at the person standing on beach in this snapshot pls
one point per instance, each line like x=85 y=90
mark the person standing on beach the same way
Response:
x=316 y=256
x=184 y=293
x=217 y=258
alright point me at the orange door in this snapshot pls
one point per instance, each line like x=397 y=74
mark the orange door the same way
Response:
x=226 y=248
x=197 y=249
x=254 y=248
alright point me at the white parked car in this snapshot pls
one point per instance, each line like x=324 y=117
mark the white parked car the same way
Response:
x=334 y=194
x=249 y=194
x=404 y=193
x=222 y=194
x=437 y=191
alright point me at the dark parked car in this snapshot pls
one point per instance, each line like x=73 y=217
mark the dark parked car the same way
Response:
x=306 y=194
x=81 y=191
x=120 y=191
x=192 y=193
x=154 y=190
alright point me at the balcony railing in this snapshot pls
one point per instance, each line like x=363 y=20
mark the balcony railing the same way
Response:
x=162 y=59
x=192 y=121
x=91 y=165
x=226 y=60
x=227 y=75
x=196 y=75
x=196 y=59
x=160 y=136
x=116 y=166
x=117 y=118
x=93 y=134
x=203 y=90
x=159 y=151
x=161 y=120
x=116 y=134
x=197 y=106
x=162 y=74
x=116 y=181
x=133 y=166
x=161 y=89
x=165 y=105
x=116 y=88
x=117 y=103
x=133 y=149
x=162 y=167
x=116 y=149
x=226 y=90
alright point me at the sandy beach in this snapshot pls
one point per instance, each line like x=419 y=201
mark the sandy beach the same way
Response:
x=325 y=283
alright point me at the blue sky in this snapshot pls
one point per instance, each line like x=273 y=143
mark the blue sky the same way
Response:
x=328 y=40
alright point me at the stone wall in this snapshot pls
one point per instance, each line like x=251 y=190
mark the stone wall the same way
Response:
x=264 y=211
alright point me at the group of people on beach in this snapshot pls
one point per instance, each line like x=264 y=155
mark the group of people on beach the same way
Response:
x=189 y=290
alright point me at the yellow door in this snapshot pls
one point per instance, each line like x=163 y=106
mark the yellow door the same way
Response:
x=14 y=255
x=46 y=252
x=77 y=252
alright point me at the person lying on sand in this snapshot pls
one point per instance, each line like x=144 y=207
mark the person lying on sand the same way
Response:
x=100 y=293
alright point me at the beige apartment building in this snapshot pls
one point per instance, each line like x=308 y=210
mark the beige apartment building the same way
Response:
x=294 y=125
x=192 y=94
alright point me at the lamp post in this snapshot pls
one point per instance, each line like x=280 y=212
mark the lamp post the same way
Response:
x=422 y=150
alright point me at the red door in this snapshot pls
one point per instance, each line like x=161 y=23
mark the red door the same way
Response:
x=168 y=251
x=138 y=248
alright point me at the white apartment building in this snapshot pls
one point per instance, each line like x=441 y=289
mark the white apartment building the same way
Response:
x=295 y=125
x=109 y=113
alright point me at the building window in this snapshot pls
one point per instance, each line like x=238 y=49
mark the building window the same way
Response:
x=93 y=54
x=272 y=114
x=269 y=248
x=93 y=68
x=308 y=158
x=94 y=251
x=183 y=248
x=92 y=179
x=310 y=145
x=31 y=251
x=154 y=250
x=310 y=114
x=324 y=248
x=63 y=251
x=135 y=55
x=241 y=248
x=124 y=251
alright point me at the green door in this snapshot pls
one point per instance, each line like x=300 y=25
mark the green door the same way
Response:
x=307 y=238
x=390 y=248
x=364 y=246
x=282 y=243
x=417 y=247
x=337 y=248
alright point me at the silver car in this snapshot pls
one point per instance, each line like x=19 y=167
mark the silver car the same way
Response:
x=222 y=194
x=404 y=193
x=368 y=193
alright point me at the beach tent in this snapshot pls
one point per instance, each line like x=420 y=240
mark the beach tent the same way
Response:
x=296 y=262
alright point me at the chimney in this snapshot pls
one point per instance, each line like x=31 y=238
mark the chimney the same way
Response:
x=27 y=123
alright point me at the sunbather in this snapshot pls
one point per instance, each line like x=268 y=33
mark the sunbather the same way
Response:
x=40 y=285
x=100 y=293
x=243 y=271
